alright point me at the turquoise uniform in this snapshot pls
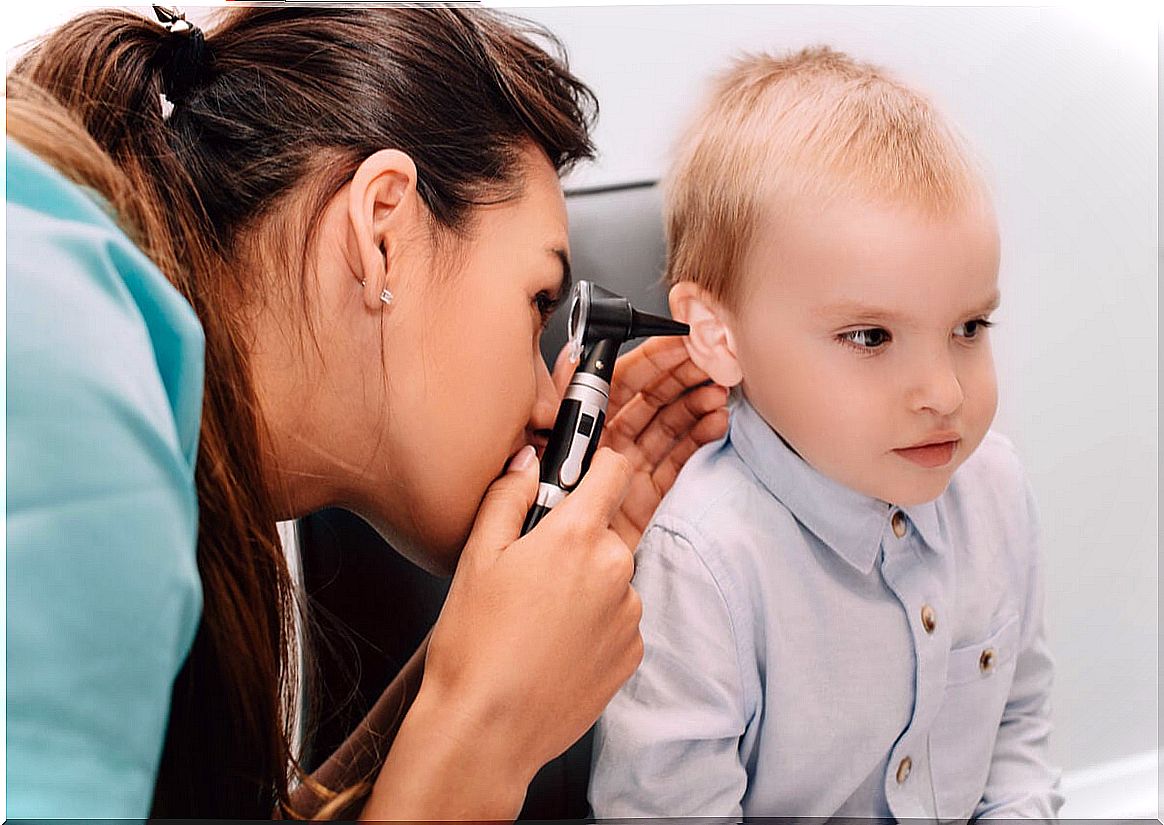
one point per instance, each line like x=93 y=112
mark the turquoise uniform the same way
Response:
x=104 y=397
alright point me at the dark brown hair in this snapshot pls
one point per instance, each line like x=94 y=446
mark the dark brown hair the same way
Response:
x=280 y=103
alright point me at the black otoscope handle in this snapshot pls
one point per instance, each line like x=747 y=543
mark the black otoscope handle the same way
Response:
x=535 y=515
x=577 y=429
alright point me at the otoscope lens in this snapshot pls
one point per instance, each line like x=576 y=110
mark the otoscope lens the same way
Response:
x=576 y=327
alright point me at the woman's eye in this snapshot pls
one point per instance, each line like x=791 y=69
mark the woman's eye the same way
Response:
x=866 y=339
x=547 y=304
x=970 y=329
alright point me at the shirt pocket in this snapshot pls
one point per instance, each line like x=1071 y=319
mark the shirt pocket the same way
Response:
x=961 y=741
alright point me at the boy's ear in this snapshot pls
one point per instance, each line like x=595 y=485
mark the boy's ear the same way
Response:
x=710 y=343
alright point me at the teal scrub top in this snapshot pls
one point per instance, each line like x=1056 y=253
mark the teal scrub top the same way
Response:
x=104 y=397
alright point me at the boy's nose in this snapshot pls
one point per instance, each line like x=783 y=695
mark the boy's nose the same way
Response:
x=937 y=388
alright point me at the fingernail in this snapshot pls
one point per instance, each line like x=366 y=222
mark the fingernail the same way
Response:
x=523 y=460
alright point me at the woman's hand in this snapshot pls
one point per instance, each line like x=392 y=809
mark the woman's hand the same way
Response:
x=535 y=637
x=662 y=409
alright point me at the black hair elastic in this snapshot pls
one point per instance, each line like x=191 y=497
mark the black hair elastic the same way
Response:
x=188 y=60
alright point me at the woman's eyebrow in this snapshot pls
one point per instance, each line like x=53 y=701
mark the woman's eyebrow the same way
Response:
x=564 y=259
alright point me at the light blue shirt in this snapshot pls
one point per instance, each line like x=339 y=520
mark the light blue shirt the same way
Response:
x=811 y=651
x=104 y=397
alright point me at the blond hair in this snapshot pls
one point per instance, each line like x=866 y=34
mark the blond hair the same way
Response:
x=779 y=132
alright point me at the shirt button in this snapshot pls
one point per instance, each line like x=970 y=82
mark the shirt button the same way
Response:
x=986 y=660
x=903 y=770
x=898 y=522
x=928 y=617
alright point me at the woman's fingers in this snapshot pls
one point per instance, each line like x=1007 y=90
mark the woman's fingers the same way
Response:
x=647 y=441
x=707 y=429
x=646 y=368
x=636 y=413
x=631 y=418
x=563 y=370
x=503 y=510
x=559 y=598
x=652 y=479
x=600 y=494
x=659 y=414
x=643 y=366
x=639 y=506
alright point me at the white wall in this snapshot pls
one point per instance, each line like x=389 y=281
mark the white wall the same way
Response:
x=1062 y=108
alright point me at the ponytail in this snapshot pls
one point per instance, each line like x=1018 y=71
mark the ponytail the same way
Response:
x=88 y=99
x=275 y=103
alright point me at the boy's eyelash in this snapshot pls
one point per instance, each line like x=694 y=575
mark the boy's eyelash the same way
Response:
x=846 y=339
x=885 y=337
x=984 y=323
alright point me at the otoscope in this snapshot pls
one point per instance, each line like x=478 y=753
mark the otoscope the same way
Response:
x=600 y=323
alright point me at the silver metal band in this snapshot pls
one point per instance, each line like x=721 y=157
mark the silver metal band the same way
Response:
x=550 y=495
x=585 y=379
x=589 y=396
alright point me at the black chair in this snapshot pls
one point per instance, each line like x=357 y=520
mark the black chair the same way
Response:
x=375 y=607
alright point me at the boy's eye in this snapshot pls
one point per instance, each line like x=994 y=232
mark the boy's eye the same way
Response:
x=970 y=329
x=866 y=339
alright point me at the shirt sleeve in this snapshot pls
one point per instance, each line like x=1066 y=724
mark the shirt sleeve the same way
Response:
x=1022 y=782
x=103 y=594
x=668 y=743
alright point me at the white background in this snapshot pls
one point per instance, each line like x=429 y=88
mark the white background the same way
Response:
x=1061 y=107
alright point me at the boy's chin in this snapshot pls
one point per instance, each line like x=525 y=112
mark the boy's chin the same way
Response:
x=912 y=492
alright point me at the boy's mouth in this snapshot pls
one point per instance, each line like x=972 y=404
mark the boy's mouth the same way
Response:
x=933 y=452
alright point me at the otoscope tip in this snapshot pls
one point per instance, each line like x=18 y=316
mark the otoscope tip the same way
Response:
x=643 y=324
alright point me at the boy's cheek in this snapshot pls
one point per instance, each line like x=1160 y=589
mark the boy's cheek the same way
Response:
x=982 y=397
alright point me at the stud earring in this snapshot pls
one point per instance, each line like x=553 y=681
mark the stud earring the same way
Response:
x=386 y=296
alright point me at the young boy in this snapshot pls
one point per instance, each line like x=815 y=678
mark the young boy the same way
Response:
x=842 y=598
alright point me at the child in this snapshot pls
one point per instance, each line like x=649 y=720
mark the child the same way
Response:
x=842 y=605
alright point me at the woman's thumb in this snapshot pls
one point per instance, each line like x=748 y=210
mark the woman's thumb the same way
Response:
x=503 y=510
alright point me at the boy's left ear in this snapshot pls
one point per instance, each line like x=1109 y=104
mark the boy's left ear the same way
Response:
x=382 y=205
x=710 y=343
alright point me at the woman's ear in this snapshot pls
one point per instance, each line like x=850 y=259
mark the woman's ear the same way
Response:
x=710 y=342
x=383 y=208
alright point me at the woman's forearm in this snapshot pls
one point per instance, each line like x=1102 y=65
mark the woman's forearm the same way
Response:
x=360 y=756
x=446 y=765
x=430 y=759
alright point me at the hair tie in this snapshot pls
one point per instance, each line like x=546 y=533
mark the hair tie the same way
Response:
x=188 y=59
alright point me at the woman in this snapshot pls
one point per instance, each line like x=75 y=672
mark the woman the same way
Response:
x=362 y=208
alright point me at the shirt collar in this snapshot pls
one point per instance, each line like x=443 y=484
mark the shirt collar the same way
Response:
x=850 y=523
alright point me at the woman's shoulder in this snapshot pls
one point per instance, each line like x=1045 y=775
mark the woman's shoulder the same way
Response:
x=103 y=358
x=104 y=383
x=80 y=292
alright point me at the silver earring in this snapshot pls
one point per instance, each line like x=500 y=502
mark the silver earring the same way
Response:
x=386 y=296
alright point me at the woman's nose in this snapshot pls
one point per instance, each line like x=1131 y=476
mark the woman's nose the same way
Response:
x=545 y=408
